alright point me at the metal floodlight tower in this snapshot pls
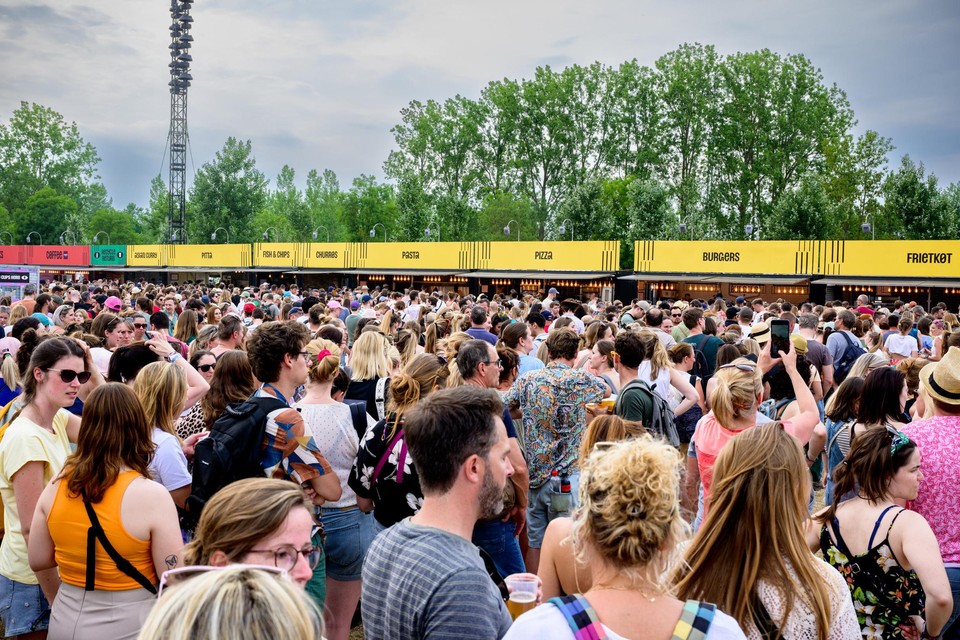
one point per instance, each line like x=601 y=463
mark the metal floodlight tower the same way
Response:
x=177 y=138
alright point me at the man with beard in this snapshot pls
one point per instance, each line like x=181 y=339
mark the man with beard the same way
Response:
x=422 y=577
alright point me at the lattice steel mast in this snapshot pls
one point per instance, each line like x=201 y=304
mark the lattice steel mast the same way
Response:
x=177 y=138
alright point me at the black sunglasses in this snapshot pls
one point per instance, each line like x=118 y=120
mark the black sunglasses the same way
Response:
x=137 y=325
x=67 y=375
x=206 y=367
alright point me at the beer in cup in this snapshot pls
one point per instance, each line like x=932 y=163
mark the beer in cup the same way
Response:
x=523 y=593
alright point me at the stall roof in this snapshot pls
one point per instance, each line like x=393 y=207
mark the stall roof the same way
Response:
x=713 y=277
x=885 y=281
x=539 y=275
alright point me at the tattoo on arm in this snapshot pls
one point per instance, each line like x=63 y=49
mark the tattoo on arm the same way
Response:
x=171 y=562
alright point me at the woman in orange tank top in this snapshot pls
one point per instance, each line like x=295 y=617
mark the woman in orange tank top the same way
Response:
x=104 y=493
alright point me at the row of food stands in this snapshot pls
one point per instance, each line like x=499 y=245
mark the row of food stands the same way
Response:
x=791 y=270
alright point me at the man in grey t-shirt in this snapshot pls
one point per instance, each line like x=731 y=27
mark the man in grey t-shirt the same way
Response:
x=423 y=578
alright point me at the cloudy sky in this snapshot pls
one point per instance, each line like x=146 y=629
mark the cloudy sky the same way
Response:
x=319 y=83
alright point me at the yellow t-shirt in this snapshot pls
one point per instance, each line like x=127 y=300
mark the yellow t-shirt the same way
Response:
x=26 y=441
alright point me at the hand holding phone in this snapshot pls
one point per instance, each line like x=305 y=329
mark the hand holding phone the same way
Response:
x=779 y=337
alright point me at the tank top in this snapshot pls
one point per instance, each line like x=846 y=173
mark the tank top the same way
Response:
x=68 y=523
x=885 y=594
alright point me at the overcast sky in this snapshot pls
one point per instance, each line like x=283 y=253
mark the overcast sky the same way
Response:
x=319 y=83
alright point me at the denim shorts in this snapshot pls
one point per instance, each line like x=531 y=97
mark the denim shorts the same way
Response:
x=23 y=607
x=545 y=505
x=349 y=534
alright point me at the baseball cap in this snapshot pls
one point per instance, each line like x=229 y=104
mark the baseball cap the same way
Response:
x=248 y=308
x=333 y=304
x=553 y=290
x=366 y=298
x=113 y=303
x=354 y=305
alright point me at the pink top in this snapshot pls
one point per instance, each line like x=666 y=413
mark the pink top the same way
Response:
x=938 y=439
x=710 y=438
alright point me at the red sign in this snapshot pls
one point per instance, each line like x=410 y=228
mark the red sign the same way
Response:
x=11 y=254
x=58 y=256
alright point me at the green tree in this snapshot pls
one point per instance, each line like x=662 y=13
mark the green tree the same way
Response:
x=288 y=204
x=649 y=212
x=584 y=213
x=414 y=210
x=499 y=208
x=38 y=149
x=152 y=224
x=120 y=226
x=367 y=204
x=325 y=203
x=228 y=192
x=45 y=212
x=913 y=205
x=951 y=200
x=457 y=219
x=853 y=178
x=803 y=213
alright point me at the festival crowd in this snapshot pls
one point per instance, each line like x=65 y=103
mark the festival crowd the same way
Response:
x=199 y=461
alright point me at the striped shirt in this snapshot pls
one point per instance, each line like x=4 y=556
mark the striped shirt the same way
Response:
x=422 y=582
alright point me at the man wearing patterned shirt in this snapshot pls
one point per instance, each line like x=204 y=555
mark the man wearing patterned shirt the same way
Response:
x=552 y=402
x=938 y=439
x=289 y=451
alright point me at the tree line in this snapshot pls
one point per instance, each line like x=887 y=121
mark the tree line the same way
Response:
x=746 y=146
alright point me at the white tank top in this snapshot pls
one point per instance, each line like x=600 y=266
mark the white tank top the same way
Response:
x=661 y=384
x=336 y=438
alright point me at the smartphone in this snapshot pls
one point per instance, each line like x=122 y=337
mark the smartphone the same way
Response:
x=779 y=337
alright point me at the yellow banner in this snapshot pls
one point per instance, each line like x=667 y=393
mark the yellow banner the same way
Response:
x=892 y=258
x=326 y=255
x=791 y=257
x=277 y=254
x=543 y=256
x=407 y=255
x=226 y=256
x=147 y=255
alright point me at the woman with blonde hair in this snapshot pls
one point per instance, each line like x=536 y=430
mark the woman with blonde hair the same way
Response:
x=559 y=568
x=234 y=603
x=406 y=344
x=734 y=403
x=107 y=481
x=450 y=349
x=867 y=363
x=162 y=388
x=436 y=332
x=206 y=340
x=751 y=556
x=349 y=531
x=370 y=372
x=602 y=361
x=390 y=323
x=383 y=475
x=901 y=345
x=626 y=530
x=262 y=521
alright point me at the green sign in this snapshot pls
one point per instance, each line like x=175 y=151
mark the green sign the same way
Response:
x=108 y=255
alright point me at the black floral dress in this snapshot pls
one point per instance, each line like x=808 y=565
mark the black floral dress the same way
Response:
x=395 y=489
x=884 y=594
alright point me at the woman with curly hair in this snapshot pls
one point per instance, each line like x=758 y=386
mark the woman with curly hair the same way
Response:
x=626 y=530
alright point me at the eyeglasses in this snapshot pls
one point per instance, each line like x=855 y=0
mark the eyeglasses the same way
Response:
x=68 y=375
x=285 y=556
x=206 y=367
x=139 y=325
x=749 y=368
x=499 y=363
x=305 y=355
x=675 y=315
x=174 y=577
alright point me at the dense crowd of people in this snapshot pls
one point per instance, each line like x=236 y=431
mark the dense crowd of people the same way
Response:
x=199 y=461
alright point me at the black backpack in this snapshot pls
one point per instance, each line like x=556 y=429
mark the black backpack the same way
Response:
x=662 y=422
x=231 y=452
x=852 y=351
x=701 y=367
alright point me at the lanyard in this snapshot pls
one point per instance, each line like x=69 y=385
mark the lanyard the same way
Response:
x=280 y=396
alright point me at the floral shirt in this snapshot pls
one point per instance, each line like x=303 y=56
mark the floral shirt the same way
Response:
x=938 y=502
x=396 y=493
x=553 y=403
x=884 y=594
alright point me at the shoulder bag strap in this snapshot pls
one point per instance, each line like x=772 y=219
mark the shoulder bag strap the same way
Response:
x=581 y=617
x=764 y=623
x=695 y=620
x=94 y=533
x=384 y=458
x=380 y=396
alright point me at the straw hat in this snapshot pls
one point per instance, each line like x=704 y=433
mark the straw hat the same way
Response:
x=799 y=343
x=760 y=332
x=941 y=380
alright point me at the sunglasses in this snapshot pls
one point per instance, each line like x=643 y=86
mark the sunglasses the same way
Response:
x=68 y=375
x=174 y=577
x=206 y=367
x=749 y=368
x=138 y=325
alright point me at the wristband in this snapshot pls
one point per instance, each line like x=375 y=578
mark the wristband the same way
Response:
x=172 y=357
